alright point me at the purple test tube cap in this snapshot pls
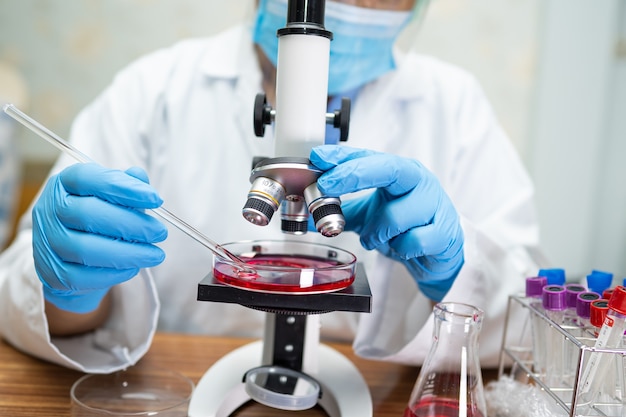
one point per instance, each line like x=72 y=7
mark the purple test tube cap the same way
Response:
x=583 y=303
x=571 y=294
x=534 y=285
x=553 y=297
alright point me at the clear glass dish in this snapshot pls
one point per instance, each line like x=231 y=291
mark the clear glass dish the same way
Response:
x=137 y=391
x=286 y=267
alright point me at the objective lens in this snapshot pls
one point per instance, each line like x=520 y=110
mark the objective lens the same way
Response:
x=264 y=198
x=294 y=216
x=326 y=211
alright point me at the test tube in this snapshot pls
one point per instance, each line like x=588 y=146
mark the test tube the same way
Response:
x=583 y=310
x=602 y=365
x=570 y=325
x=588 y=401
x=553 y=301
x=571 y=299
x=534 y=286
x=597 y=314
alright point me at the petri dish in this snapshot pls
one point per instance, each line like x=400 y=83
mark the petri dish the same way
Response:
x=282 y=388
x=137 y=391
x=286 y=267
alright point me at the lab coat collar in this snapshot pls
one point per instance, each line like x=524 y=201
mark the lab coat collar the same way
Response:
x=405 y=82
x=233 y=54
x=230 y=55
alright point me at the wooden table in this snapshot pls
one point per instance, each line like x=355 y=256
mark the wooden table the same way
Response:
x=30 y=387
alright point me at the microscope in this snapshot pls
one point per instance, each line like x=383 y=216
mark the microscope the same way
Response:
x=294 y=282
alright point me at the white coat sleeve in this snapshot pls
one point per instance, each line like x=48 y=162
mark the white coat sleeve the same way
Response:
x=121 y=342
x=107 y=131
x=494 y=197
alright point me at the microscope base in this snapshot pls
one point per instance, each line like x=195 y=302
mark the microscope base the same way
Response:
x=221 y=389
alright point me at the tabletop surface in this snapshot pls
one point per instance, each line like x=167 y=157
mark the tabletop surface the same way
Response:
x=31 y=387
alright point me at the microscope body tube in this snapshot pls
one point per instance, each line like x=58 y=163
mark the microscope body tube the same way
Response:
x=289 y=179
x=301 y=90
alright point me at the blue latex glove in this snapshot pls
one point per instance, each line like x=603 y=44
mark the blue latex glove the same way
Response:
x=409 y=217
x=90 y=233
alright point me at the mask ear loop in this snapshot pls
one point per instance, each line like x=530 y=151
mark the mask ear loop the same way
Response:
x=419 y=12
x=413 y=25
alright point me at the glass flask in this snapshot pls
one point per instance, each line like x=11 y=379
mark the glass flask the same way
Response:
x=450 y=382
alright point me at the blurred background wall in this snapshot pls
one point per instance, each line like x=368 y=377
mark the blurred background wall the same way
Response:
x=553 y=70
x=68 y=51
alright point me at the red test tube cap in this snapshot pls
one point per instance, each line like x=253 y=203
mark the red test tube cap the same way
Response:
x=597 y=312
x=617 y=301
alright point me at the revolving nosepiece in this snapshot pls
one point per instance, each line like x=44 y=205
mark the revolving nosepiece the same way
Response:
x=291 y=183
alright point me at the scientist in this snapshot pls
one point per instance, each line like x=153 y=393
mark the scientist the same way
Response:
x=444 y=208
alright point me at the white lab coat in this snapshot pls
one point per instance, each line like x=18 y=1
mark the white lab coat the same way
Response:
x=184 y=114
x=9 y=176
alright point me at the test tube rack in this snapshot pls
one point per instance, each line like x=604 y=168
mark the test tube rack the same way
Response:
x=517 y=358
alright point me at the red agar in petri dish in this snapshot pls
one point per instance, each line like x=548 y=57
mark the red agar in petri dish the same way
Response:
x=314 y=269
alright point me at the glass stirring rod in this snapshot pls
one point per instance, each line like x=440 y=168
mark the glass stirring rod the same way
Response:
x=66 y=147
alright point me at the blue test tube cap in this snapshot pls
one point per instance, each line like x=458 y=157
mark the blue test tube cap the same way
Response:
x=598 y=281
x=555 y=276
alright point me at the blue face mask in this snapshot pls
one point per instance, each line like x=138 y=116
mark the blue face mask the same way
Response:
x=362 y=45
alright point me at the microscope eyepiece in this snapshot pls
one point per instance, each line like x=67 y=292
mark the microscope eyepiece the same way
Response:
x=305 y=17
x=306 y=11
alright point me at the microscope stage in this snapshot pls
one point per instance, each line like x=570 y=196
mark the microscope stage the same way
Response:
x=357 y=297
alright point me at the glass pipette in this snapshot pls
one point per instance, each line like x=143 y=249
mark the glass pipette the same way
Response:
x=162 y=212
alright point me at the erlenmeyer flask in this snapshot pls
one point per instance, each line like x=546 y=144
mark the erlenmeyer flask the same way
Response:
x=450 y=383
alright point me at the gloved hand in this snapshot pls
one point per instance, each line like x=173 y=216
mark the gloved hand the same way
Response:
x=409 y=217
x=90 y=233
